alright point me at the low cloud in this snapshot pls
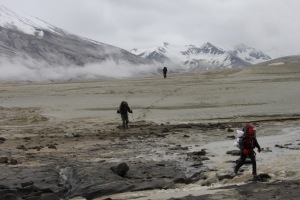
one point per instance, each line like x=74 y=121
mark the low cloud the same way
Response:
x=20 y=70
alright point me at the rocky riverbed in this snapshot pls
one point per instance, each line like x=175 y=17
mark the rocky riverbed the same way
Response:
x=96 y=162
x=64 y=140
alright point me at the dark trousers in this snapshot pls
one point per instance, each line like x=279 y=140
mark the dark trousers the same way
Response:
x=165 y=75
x=242 y=161
x=125 y=120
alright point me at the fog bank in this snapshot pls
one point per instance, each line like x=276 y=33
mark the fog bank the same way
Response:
x=20 y=70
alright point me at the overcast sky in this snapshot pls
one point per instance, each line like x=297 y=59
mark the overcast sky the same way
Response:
x=269 y=25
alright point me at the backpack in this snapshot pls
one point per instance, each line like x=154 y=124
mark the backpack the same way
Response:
x=123 y=107
x=249 y=137
x=239 y=136
x=243 y=137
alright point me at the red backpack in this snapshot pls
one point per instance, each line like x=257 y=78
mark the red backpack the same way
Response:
x=249 y=130
x=248 y=138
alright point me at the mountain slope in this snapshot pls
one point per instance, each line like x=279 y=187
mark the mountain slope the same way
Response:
x=33 y=38
x=250 y=54
x=207 y=56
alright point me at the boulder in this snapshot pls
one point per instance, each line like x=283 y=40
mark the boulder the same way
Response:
x=49 y=196
x=22 y=147
x=8 y=194
x=230 y=130
x=121 y=169
x=225 y=176
x=154 y=184
x=3 y=160
x=233 y=152
x=26 y=184
x=199 y=153
x=2 y=139
x=179 y=177
x=13 y=161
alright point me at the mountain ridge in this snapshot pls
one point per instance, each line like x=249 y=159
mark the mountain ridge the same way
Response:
x=207 y=56
x=50 y=53
x=36 y=39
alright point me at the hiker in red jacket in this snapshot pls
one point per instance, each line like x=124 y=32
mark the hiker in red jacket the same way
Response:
x=247 y=143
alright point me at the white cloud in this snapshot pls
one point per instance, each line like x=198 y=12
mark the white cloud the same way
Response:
x=263 y=24
x=25 y=70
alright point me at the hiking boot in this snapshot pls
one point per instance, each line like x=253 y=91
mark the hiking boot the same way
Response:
x=235 y=171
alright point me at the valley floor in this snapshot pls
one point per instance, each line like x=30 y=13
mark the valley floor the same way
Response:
x=60 y=140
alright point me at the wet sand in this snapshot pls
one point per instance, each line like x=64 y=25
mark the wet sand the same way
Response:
x=50 y=128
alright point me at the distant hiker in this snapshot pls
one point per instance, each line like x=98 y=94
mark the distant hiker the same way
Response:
x=123 y=110
x=247 y=144
x=165 y=69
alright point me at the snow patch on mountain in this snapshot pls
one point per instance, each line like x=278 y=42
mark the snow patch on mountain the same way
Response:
x=40 y=51
x=207 y=56
x=250 y=54
x=33 y=50
x=28 y=25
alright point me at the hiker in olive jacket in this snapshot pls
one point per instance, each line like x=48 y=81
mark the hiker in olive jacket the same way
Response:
x=123 y=110
x=165 y=69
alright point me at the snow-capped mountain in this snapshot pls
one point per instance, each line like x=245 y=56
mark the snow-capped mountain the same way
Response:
x=34 y=50
x=32 y=38
x=207 y=56
x=250 y=54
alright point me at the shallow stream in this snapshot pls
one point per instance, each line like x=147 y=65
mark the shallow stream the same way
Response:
x=279 y=159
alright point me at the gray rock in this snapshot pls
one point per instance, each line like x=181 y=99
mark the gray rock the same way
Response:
x=234 y=152
x=49 y=196
x=150 y=185
x=8 y=194
x=94 y=191
x=10 y=197
x=263 y=177
x=225 y=176
x=22 y=147
x=26 y=184
x=199 y=153
x=197 y=164
x=2 y=139
x=196 y=177
x=179 y=178
x=121 y=169
x=165 y=130
x=51 y=146
x=13 y=162
x=231 y=137
x=179 y=147
x=230 y=130
x=3 y=160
